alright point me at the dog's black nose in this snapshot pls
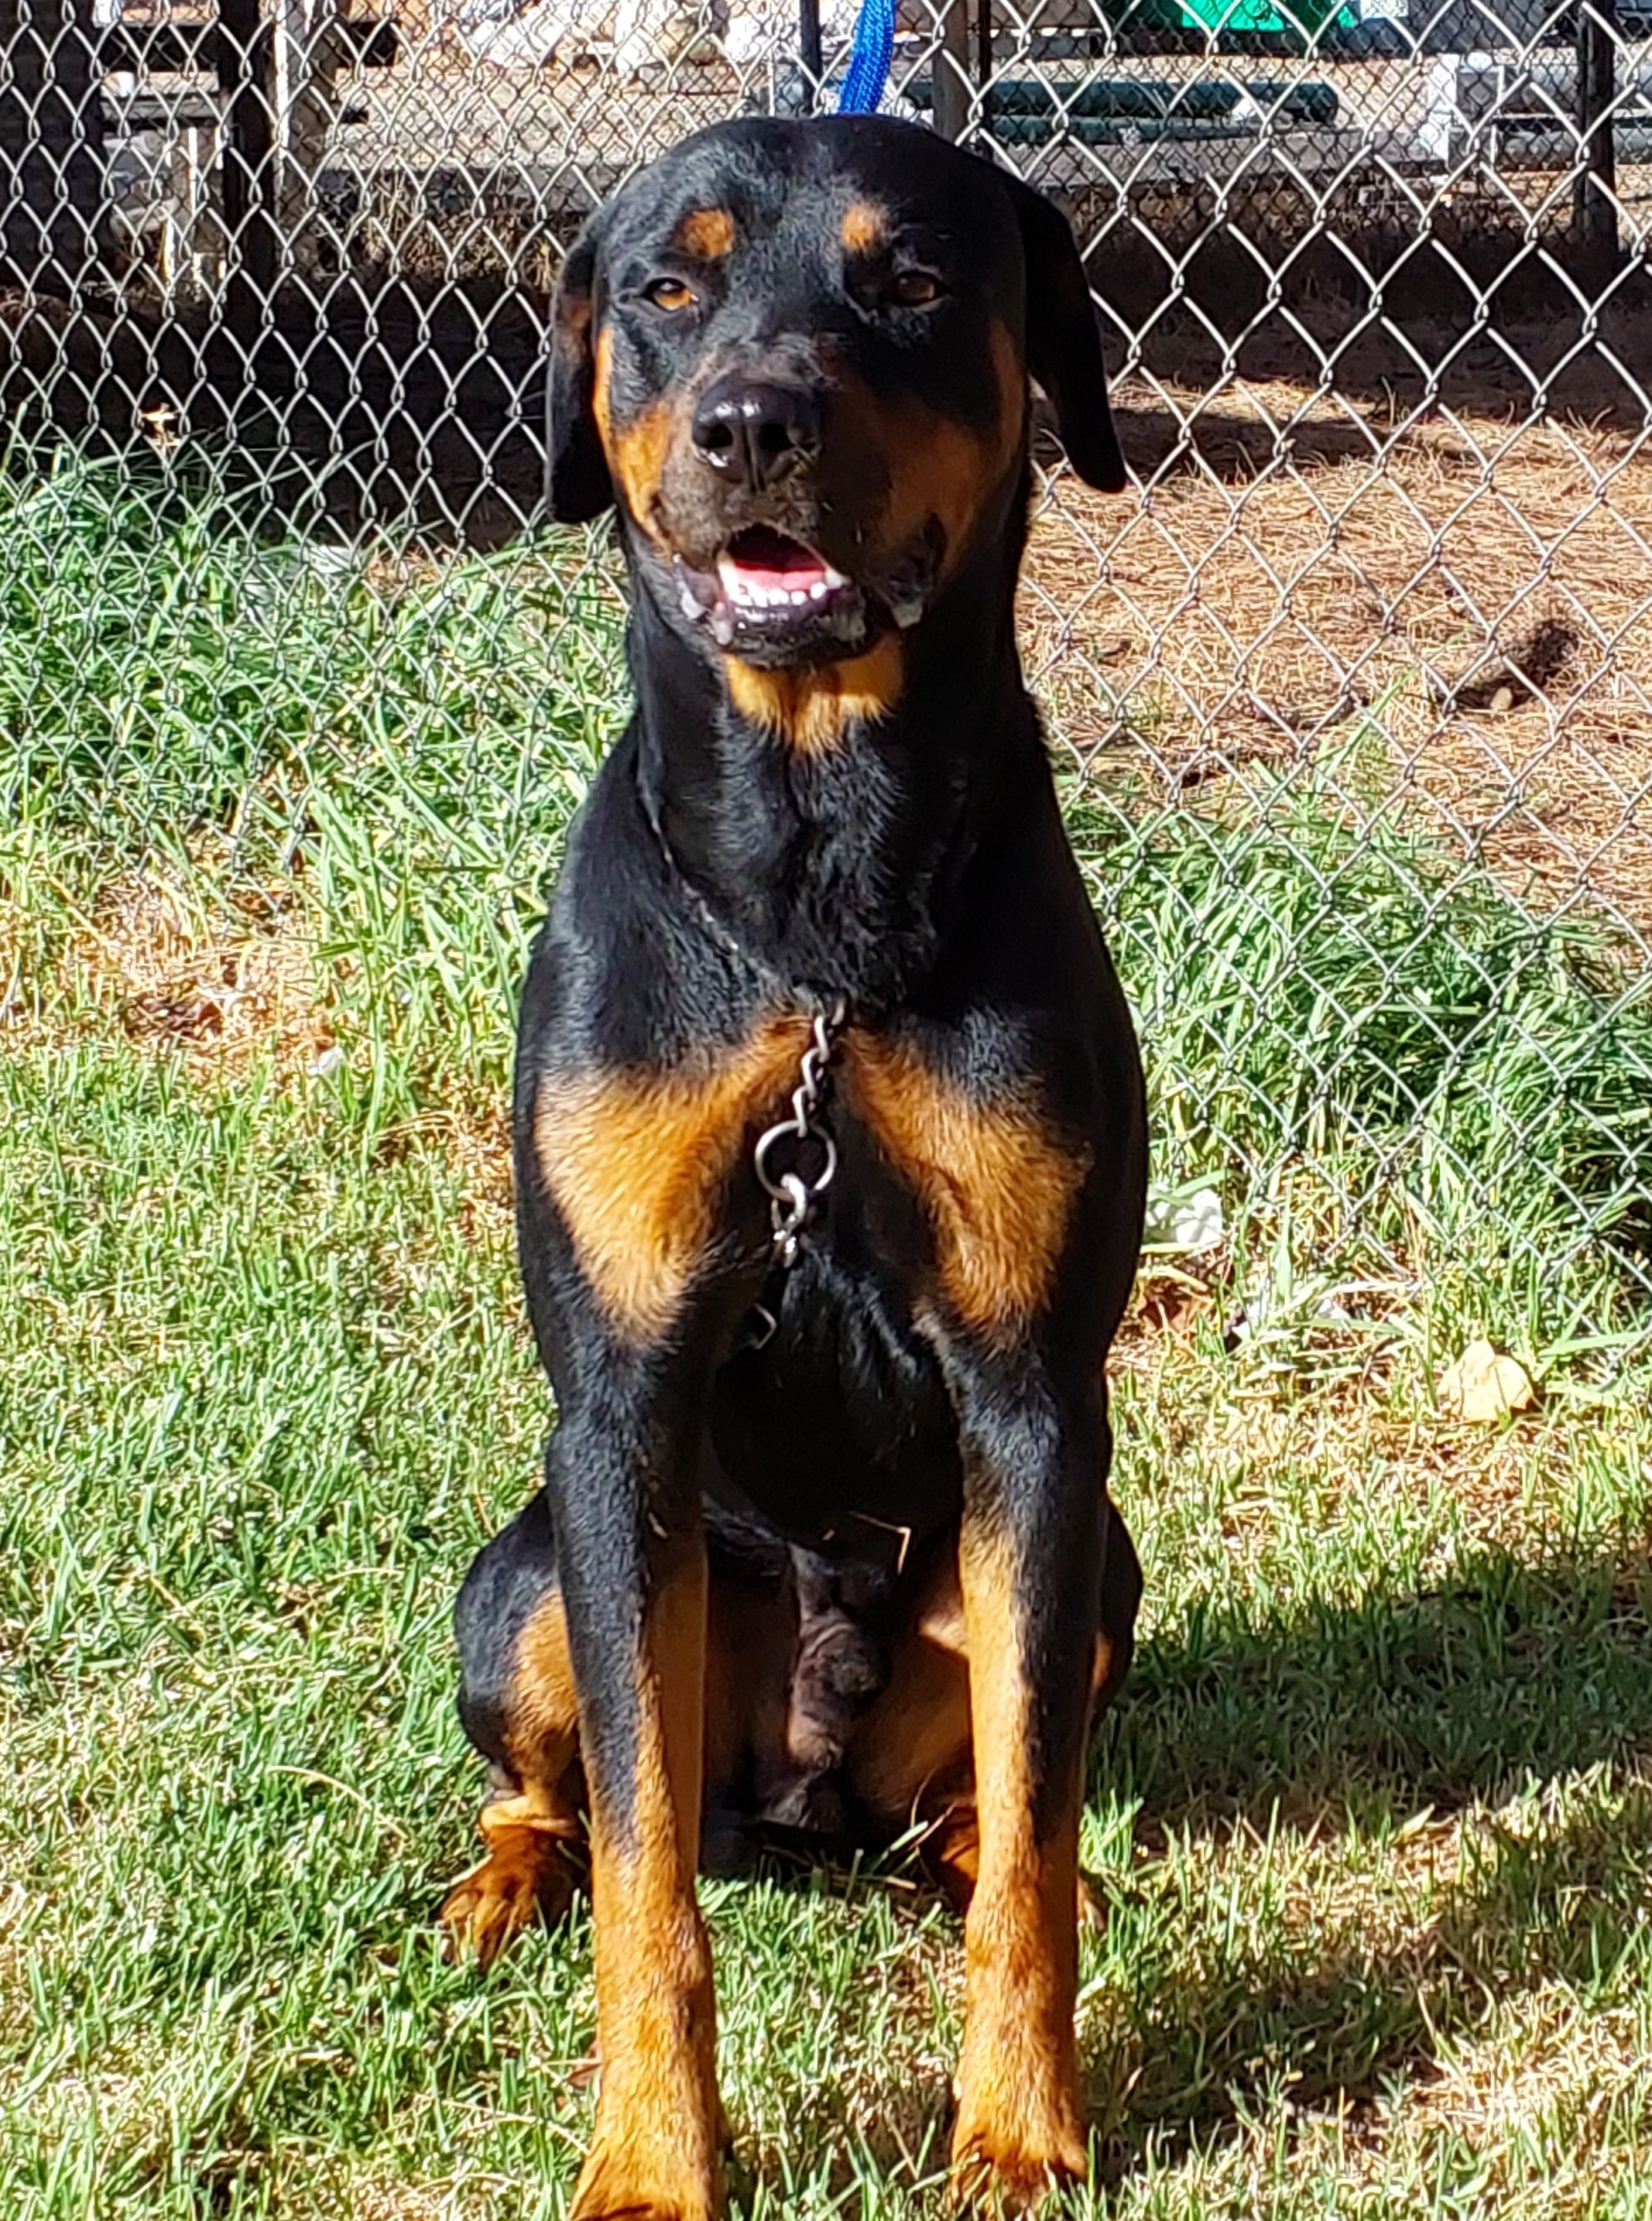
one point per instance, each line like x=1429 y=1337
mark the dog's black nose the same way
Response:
x=756 y=431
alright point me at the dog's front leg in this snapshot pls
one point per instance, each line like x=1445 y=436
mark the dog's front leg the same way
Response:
x=1030 y=1563
x=634 y=1576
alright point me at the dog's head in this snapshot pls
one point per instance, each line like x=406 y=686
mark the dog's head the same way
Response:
x=798 y=356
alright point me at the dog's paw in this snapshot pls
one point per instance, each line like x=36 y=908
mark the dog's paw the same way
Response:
x=998 y=2175
x=629 y=2182
x=1014 y=2143
x=524 y=1877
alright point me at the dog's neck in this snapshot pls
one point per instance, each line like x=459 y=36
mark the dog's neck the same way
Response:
x=840 y=866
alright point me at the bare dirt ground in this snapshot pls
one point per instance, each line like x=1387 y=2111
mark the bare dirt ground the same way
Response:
x=1478 y=589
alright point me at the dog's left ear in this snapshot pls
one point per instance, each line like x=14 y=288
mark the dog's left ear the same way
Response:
x=577 y=483
x=1063 y=341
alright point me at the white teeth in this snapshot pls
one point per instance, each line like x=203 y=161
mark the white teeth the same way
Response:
x=742 y=594
x=690 y=606
x=746 y=594
x=722 y=626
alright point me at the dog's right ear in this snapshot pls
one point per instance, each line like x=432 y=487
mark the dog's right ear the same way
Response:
x=577 y=483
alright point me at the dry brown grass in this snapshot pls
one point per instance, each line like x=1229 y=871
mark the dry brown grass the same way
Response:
x=476 y=1142
x=179 y=970
x=1484 y=599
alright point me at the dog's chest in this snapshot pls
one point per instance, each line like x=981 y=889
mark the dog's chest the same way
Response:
x=652 y=1171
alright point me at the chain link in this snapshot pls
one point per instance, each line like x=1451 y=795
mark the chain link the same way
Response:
x=795 y=1193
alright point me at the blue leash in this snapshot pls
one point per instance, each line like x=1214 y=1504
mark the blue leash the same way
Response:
x=869 y=59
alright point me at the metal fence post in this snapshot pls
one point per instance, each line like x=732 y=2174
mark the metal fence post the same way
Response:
x=1594 y=193
x=952 y=87
x=809 y=53
x=303 y=65
x=277 y=65
x=248 y=147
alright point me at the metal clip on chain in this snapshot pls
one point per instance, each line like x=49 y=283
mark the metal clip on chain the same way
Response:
x=793 y=1196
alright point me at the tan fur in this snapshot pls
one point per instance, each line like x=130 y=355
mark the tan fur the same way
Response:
x=938 y=468
x=813 y=709
x=535 y=1840
x=1019 y=2129
x=997 y=1183
x=636 y=451
x=864 y=228
x=912 y=1760
x=535 y=1858
x=708 y=234
x=543 y=1708
x=637 y=1162
x=654 y=2149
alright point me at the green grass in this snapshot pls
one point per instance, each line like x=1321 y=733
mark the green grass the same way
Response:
x=1452 y=1085
x=1374 y=1825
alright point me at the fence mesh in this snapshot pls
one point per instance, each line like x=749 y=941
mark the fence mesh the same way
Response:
x=1352 y=694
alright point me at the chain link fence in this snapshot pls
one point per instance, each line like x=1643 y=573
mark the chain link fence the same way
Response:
x=1352 y=695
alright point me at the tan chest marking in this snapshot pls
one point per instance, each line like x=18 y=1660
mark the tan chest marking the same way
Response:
x=995 y=1180
x=637 y=1162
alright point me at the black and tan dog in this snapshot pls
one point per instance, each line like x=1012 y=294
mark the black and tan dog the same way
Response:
x=825 y=1540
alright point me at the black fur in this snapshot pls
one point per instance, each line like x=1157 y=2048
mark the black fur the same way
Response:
x=918 y=869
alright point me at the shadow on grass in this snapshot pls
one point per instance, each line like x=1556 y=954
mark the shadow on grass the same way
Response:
x=1504 y=1670
x=1347 y=1940
x=1334 y=1750
x=1370 y=1726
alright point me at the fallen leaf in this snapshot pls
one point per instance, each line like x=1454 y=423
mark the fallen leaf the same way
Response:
x=1484 y=1386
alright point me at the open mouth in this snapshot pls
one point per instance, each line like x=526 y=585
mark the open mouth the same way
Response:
x=761 y=569
x=768 y=588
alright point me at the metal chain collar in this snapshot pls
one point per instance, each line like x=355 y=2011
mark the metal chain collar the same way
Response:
x=794 y=1193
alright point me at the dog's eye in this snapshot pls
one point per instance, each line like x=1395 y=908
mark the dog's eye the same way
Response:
x=669 y=294
x=916 y=288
